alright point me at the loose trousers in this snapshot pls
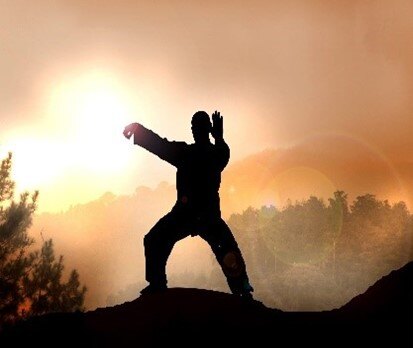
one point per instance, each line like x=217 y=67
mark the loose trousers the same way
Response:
x=160 y=240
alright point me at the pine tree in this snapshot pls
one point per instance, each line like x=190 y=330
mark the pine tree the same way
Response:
x=30 y=282
x=45 y=289
x=15 y=262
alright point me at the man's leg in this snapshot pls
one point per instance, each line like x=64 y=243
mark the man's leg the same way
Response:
x=158 y=243
x=226 y=250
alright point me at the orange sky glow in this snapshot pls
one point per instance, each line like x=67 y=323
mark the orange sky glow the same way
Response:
x=74 y=73
x=316 y=95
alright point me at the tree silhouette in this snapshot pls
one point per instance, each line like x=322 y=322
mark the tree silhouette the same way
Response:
x=30 y=282
x=313 y=255
x=45 y=289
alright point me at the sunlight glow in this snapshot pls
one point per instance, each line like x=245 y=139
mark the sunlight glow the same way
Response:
x=32 y=158
x=94 y=109
x=76 y=151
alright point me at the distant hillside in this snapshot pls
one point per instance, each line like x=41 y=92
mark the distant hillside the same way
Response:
x=103 y=239
x=193 y=317
x=318 y=166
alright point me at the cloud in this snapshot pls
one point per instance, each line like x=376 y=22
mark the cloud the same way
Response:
x=282 y=69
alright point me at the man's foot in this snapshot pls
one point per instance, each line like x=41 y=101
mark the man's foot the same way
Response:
x=246 y=296
x=153 y=289
x=246 y=291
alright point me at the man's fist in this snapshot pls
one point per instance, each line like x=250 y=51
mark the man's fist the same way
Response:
x=130 y=130
x=217 y=126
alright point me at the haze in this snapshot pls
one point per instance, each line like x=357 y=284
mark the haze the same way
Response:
x=317 y=96
x=73 y=73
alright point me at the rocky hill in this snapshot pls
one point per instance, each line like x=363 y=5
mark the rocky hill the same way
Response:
x=186 y=317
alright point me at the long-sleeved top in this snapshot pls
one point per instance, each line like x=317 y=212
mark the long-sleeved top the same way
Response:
x=199 y=168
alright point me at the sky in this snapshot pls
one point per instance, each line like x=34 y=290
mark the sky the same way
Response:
x=74 y=73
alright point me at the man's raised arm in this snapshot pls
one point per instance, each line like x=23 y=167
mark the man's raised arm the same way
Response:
x=167 y=150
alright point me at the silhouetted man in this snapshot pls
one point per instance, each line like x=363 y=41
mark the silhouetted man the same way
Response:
x=197 y=208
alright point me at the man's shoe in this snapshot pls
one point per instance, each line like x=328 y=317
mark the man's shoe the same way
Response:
x=245 y=291
x=153 y=289
x=246 y=295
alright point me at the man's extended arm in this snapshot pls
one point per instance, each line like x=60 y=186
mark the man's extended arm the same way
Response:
x=221 y=146
x=167 y=150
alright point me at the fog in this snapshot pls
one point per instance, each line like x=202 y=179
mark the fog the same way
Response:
x=103 y=239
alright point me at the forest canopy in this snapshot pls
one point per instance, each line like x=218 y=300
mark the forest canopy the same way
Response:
x=309 y=255
x=314 y=254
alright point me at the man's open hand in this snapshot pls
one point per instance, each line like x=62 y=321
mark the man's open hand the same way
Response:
x=130 y=130
x=217 y=126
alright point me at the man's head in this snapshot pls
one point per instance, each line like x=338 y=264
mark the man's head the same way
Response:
x=201 y=126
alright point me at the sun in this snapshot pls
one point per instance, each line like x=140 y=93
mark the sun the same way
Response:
x=93 y=108
x=76 y=150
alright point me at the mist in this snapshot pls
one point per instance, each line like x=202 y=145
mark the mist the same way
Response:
x=279 y=71
x=103 y=239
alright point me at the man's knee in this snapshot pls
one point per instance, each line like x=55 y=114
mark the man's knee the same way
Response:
x=147 y=240
x=152 y=238
x=233 y=264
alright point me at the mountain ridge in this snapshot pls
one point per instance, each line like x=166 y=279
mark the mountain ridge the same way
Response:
x=190 y=317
